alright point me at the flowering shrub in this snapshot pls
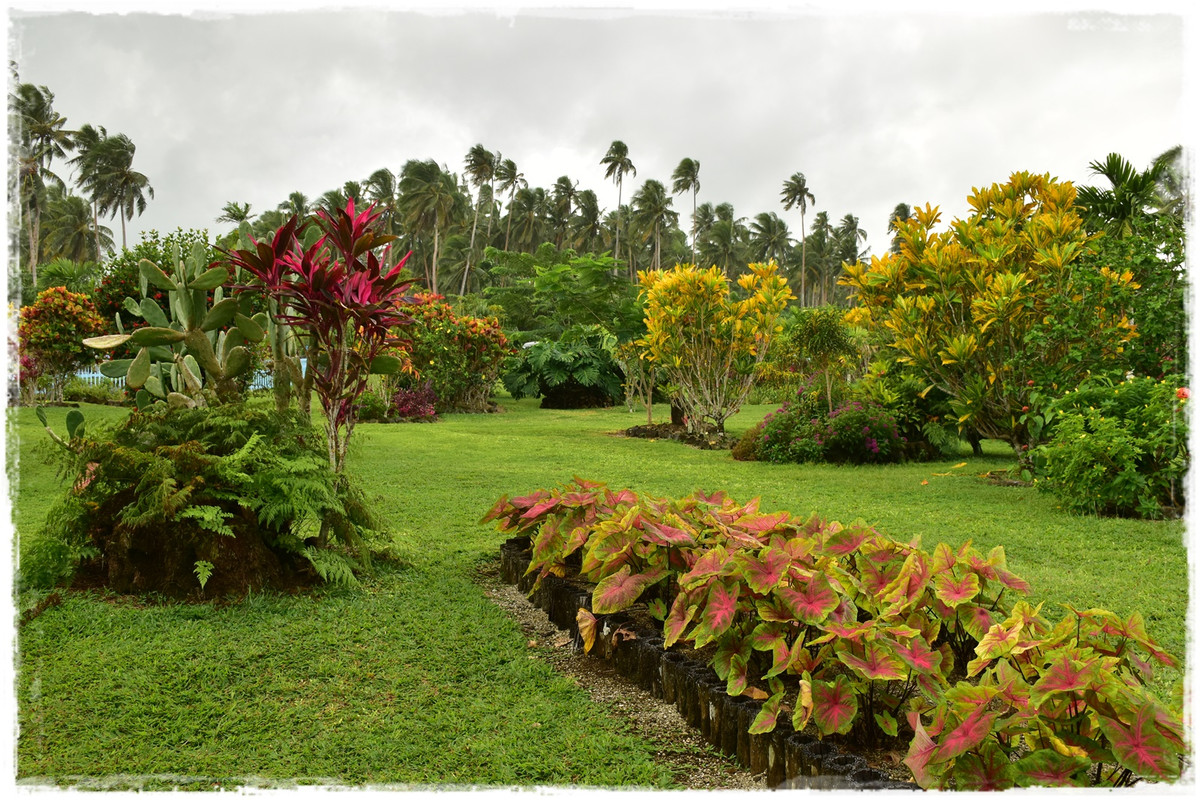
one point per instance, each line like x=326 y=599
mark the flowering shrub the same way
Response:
x=418 y=403
x=790 y=434
x=1119 y=450
x=51 y=335
x=458 y=358
x=861 y=433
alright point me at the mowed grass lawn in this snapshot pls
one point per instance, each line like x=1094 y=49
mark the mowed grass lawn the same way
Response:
x=416 y=678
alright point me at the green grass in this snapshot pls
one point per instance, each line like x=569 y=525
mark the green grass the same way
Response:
x=417 y=678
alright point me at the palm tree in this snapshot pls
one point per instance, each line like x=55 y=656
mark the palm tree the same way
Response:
x=68 y=229
x=79 y=277
x=296 y=205
x=1172 y=185
x=796 y=194
x=703 y=218
x=429 y=197
x=87 y=146
x=564 y=194
x=481 y=169
x=587 y=226
x=618 y=165
x=1132 y=193
x=380 y=189
x=686 y=178
x=847 y=237
x=510 y=179
x=122 y=189
x=652 y=212
x=901 y=213
x=530 y=211
x=235 y=213
x=41 y=137
x=770 y=238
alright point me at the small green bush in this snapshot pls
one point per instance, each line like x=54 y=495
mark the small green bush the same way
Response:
x=1119 y=449
x=103 y=393
x=861 y=433
x=580 y=370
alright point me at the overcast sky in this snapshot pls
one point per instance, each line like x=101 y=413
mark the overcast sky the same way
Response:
x=915 y=103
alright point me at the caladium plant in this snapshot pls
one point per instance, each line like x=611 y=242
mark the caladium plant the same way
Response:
x=856 y=634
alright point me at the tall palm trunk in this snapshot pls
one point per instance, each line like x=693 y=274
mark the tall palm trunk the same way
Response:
x=803 y=259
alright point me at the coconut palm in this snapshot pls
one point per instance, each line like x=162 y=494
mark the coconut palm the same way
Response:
x=617 y=165
x=235 y=213
x=1130 y=197
x=797 y=195
x=122 y=189
x=847 y=236
x=1172 y=184
x=652 y=213
x=481 y=170
x=79 y=277
x=587 y=225
x=686 y=178
x=770 y=239
x=296 y=205
x=69 y=231
x=561 y=201
x=87 y=146
x=901 y=213
x=380 y=189
x=42 y=136
x=429 y=200
x=703 y=217
x=510 y=179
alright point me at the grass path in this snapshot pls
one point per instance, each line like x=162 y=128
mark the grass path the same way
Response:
x=417 y=679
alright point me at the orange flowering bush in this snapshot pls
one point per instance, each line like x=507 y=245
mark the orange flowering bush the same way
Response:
x=51 y=333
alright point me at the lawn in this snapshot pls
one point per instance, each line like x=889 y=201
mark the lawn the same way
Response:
x=416 y=678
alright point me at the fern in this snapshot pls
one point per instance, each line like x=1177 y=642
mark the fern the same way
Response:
x=210 y=518
x=204 y=571
x=332 y=566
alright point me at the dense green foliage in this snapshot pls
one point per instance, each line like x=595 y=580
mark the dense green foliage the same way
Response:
x=225 y=499
x=579 y=370
x=1119 y=448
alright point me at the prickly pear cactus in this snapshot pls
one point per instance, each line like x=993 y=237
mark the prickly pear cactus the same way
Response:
x=190 y=353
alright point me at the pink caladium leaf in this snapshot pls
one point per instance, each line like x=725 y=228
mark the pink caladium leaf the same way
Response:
x=771 y=637
x=955 y=591
x=771 y=609
x=967 y=735
x=920 y=751
x=834 y=705
x=665 y=535
x=854 y=631
x=761 y=523
x=1139 y=747
x=720 y=609
x=1065 y=675
x=988 y=770
x=764 y=571
x=730 y=663
x=621 y=590
x=916 y=653
x=609 y=546
x=875 y=577
x=713 y=562
x=682 y=611
x=872 y=661
x=813 y=602
x=908 y=586
x=847 y=540
x=768 y=715
x=1048 y=768
x=975 y=620
x=541 y=508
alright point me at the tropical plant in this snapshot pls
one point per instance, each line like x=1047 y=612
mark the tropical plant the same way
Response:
x=121 y=190
x=481 y=170
x=819 y=342
x=1118 y=449
x=41 y=137
x=686 y=178
x=769 y=238
x=50 y=334
x=510 y=179
x=429 y=202
x=68 y=229
x=336 y=294
x=797 y=194
x=235 y=213
x=996 y=309
x=617 y=165
x=1130 y=196
x=578 y=370
x=707 y=343
x=652 y=213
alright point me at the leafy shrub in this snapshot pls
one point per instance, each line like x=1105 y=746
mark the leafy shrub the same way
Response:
x=861 y=433
x=746 y=448
x=708 y=342
x=1119 y=450
x=51 y=334
x=104 y=393
x=579 y=370
x=857 y=634
x=370 y=407
x=459 y=357
x=923 y=418
x=221 y=500
x=416 y=403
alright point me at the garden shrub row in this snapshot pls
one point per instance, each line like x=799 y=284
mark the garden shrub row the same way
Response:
x=842 y=629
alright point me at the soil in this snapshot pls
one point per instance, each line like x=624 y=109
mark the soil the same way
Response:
x=713 y=440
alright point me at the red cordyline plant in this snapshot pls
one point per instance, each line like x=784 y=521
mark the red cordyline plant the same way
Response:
x=337 y=295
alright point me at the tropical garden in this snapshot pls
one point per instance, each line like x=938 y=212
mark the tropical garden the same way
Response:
x=925 y=504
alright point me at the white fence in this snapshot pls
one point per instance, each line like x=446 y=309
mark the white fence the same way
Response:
x=92 y=377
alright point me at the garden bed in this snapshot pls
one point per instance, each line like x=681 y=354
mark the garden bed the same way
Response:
x=678 y=433
x=630 y=642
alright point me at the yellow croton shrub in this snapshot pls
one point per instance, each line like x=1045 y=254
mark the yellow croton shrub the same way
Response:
x=996 y=311
x=706 y=341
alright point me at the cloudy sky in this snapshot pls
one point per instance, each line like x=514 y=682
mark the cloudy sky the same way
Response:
x=876 y=105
